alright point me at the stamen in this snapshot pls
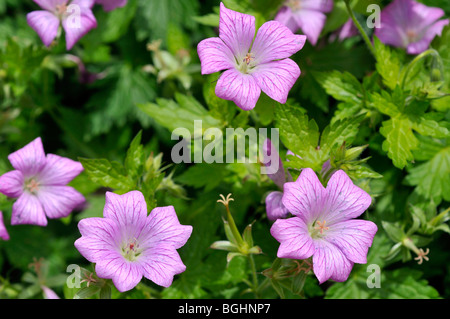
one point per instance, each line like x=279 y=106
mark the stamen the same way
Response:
x=248 y=58
x=32 y=186
x=421 y=255
x=131 y=250
x=321 y=226
x=61 y=9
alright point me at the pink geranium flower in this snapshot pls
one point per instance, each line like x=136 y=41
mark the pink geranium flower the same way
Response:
x=411 y=25
x=3 y=232
x=251 y=65
x=39 y=183
x=307 y=15
x=109 y=5
x=324 y=226
x=127 y=244
x=75 y=16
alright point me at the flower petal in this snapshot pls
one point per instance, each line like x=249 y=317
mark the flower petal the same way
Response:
x=305 y=197
x=274 y=206
x=30 y=159
x=353 y=238
x=424 y=43
x=329 y=262
x=161 y=264
x=45 y=24
x=100 y=239
x=215 y=56
x=344 y=200
x=3 y=232
x=59 y=170
x=293 y=236
x=129 y=209
x=277 y=78
x=285 y=17
x=59 y=201
x=50 y=5
x=275 y=41
x=273 y=163
x=311 y=22
x=237 y=31
x=28 y=210
x=318 y=5
x=239 y=88
x=163 y=227
x=12 y=183
x=109 y=5
x=124 y=274
x=79 y=21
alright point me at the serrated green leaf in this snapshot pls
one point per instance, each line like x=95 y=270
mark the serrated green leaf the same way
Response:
x=400 y=140
x=134 y=160
x=106 y=173
x=343 y=86
x=389 y=63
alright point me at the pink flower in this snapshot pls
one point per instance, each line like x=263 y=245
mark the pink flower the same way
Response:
x=39 y=184
x=251 y=66
x=49 y=293
x=411 y=25
x=127 y=244
x=3 y=232
x=274 y=206
x=324 y=226
x=109 y=5
x=75 y=16
x=307 y=15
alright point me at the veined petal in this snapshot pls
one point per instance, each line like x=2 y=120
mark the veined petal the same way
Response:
x=28 y=210
x=12 y=183
x=274 y=206
x=50 y=5
x=422 y=16
x=344 y=200
x=215 y=56
x=329 y=262
x=59 y=170
x=318 y=5
x=45 y=24
x=239 y=88
x=3 y=232
x=30 y=159
x=353 y=238
x=77 y=23
x=311 y=22
x=163 y=227
x=109 y=5
x=59 y=201
x=277 y=78
x=285 y=17
x=125 y=275
x=161 y=264
x=424 y=43
x=294 y=238
x=305 y=197
x=274 y=164
x=275 y=41
x=237 y=31
x=129 y=209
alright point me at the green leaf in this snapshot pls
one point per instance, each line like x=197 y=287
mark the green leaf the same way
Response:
x=432 y=177
x=388 y=63
x=207 y=176
x=383 y=103
x=400 y=140
x=134 y=160
x=107 y=174
x=339 y=132
x=343 y=86
x=393 y=231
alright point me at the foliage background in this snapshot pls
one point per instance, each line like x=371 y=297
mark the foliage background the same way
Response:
x=41 y=95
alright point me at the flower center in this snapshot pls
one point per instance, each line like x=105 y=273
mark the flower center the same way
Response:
x=412 y=36
x=317 y=229
x=295 y=5
x=130 y=250
x=61 y=10
x=246 y=63
x=32 y=186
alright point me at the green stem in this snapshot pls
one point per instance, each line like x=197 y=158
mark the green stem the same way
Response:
x=254 y=274
x=233 y=228
x=359 y=27
x=415 y=61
